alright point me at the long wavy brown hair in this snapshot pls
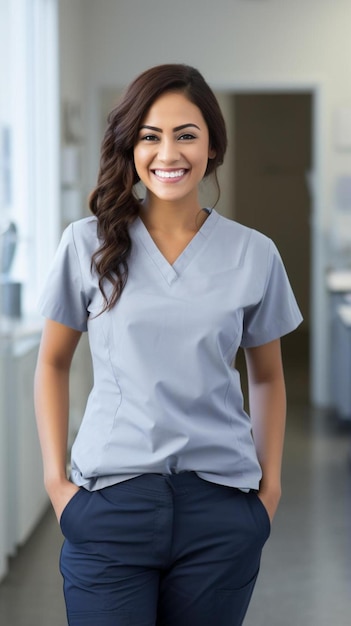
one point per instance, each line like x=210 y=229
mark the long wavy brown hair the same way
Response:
x=114 y=201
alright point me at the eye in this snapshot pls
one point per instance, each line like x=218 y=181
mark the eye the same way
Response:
x=186 y=137
x=149 y=137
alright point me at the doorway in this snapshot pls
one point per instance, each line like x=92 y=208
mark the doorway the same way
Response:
x=272 y=165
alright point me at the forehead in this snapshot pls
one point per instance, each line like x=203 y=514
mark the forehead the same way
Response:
x=174 y=107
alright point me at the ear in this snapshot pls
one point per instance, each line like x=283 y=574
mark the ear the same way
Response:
x=211 y=153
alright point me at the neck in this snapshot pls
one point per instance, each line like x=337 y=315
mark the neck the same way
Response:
x=169 y=217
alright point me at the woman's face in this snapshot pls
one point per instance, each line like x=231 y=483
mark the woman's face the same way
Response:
x=172 y=149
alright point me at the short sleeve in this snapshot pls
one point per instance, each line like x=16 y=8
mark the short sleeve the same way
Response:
x=277 y=313
x=63 y=298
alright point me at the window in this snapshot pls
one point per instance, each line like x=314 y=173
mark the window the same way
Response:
x=30 y=142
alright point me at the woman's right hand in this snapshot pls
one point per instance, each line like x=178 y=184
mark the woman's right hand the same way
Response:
x=60 y=495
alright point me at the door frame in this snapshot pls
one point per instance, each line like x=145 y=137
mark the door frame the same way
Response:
x=319 y=391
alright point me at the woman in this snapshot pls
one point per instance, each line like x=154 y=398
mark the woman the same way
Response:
x=173 y=486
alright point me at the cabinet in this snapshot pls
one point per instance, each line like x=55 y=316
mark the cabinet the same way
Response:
x=23 y=499
x=22 y=493
x=342 y=362
x=339 y=284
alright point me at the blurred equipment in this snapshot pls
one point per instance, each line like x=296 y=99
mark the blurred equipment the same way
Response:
x=10 y=290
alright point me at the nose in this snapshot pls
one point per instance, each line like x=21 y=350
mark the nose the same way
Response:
x=168 y=150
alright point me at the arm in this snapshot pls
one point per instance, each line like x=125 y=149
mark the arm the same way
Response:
x=267 y=401
x=51 y=393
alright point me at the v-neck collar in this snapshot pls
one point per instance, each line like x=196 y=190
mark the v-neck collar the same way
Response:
x=171 y=272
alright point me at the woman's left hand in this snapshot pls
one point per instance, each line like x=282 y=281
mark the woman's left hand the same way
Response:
x=270 y=501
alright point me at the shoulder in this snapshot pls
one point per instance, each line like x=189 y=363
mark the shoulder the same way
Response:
x=85 y=227
x=247 y=243
x=83 y=234
x=237 y=230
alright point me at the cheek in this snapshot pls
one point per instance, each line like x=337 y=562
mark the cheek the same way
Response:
x=201 y=162
x=142 y=158
x=139 y=161
x=200 y=156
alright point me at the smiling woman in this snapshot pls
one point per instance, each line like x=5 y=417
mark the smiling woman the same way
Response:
x=172 y=160
x=118 y=175
x=173 y=485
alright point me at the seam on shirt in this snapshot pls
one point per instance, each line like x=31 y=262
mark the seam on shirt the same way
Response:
x=239 y=333
x=244 y=249
x=107 y=346
x=269 y=267
x=230 y=417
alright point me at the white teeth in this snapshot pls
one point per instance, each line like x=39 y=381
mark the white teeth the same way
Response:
x=174 y=174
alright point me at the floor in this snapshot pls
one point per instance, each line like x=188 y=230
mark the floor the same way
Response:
x=305 y=575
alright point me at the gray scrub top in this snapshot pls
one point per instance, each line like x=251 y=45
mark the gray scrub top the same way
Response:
x=166 y=398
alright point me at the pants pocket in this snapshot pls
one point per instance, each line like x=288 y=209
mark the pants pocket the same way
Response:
x=262 y=515
x=71 y=517
x=63 y=514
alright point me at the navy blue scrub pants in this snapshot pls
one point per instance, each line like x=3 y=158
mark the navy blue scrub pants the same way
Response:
x=161 y=550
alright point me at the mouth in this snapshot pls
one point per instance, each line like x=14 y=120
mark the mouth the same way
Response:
x=170 y=175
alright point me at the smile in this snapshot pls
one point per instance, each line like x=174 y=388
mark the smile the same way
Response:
x=169 y=174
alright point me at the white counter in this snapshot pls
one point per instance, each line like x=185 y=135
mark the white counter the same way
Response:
x=23 y=499
x=338 y=283
x=344 y=313
x=339 y=280
x=22 y=496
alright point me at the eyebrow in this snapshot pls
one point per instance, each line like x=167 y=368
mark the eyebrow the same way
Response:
x=175 y=130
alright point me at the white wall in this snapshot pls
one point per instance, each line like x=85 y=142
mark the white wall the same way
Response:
x=72 y=36
x=73 y=71
x=4 y=48
x=4 y=83
x=233 y=43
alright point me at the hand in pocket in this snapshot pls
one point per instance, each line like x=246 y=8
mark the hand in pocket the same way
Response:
x=61 y=495
x=270 y=502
